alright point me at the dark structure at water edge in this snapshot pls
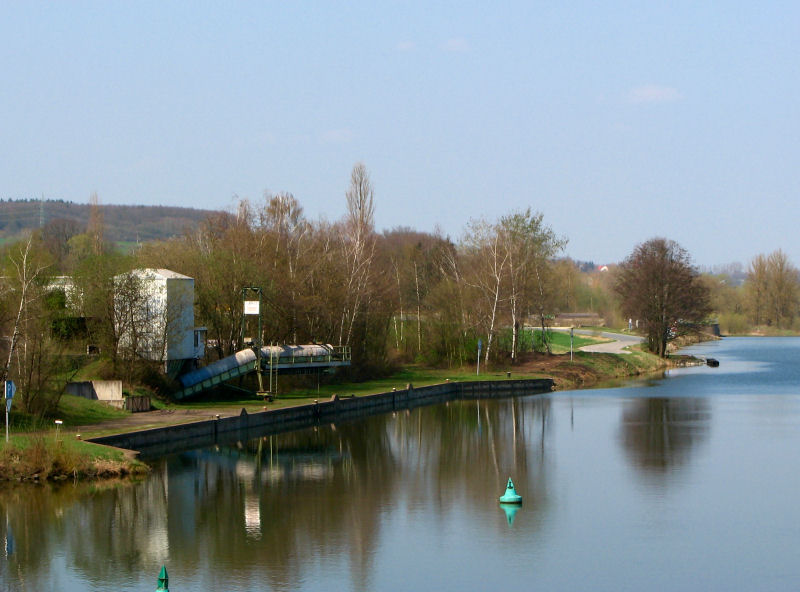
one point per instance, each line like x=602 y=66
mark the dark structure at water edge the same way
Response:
x=246 y=426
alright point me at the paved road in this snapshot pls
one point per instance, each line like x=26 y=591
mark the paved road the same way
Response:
x=617 y=346
x=621 y=341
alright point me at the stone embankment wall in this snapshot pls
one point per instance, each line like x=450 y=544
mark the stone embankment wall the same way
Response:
x=159 y=441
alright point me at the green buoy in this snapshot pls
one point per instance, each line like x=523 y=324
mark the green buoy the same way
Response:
x=163 y=580
x=510 y=496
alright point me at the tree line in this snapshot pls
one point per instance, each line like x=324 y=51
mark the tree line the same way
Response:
x=395 y=296
x=124 y=223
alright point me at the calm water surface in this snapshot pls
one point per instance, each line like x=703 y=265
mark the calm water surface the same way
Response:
x=685 y=483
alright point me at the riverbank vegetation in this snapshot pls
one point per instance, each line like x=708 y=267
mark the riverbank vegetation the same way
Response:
x=44 y=456
x=398 y=298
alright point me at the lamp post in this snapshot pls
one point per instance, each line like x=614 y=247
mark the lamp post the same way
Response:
x=253 y=307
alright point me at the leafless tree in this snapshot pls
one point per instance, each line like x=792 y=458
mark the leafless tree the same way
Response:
x=529 y=246
x=658 y=284
x=358 y=246
x=27 y=270
x=488 y=265
x=773 y=290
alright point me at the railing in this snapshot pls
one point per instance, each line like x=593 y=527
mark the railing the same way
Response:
x=273 y=362
x=339 y=354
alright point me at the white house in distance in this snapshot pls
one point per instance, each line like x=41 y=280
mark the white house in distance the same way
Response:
x=155 y=318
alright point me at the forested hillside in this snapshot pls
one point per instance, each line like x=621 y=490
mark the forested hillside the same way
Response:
x=123 y=223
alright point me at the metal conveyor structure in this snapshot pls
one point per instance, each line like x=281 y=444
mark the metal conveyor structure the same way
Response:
x=292 y=358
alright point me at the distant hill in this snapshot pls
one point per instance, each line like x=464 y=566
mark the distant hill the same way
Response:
x=121 y=223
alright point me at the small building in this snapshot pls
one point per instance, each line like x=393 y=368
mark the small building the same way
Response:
x=155 y=318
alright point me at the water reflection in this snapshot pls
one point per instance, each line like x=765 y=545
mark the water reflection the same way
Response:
x=660 y=434
x=271 y=511
x=113 y=519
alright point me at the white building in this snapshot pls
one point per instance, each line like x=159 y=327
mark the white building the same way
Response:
x=155 y=317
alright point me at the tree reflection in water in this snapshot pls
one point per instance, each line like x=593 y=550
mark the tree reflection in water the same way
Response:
x=660 y=434
x=273 y=509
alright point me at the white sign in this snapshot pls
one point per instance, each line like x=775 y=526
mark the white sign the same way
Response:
x=251 y=307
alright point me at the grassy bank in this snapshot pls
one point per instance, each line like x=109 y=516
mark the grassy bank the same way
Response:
x=55 y=456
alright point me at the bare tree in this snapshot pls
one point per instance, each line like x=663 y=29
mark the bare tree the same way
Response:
x=26 y=272
x=358 y=245
x=658 y=284
x=529 y=246
x=756 y=288
x=782 y=289
x=488 y=267
x=772 y=289
x=282 y=219
x=34 y=357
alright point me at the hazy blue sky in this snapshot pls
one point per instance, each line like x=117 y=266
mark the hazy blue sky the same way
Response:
x=619 y=121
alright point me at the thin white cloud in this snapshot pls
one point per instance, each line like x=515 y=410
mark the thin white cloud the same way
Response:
x=457 y=44
x=337 y=136
x=406 y=46
x=653 y=93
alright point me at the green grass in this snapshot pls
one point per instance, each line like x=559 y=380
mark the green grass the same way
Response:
x=621 y=365
x=415 y=375
x=559 y=341
x=24 y=442
x=58 y=456
x=74 y=411
x=92 y=370
x=126 y=247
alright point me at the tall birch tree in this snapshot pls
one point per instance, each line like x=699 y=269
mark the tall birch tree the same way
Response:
x=358 y=247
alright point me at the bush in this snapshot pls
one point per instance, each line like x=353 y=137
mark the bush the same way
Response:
x=734 y=324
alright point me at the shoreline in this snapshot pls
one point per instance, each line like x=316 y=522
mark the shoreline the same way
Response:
x=104 y=457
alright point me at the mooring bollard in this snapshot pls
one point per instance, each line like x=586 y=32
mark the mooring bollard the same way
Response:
x=163 y=580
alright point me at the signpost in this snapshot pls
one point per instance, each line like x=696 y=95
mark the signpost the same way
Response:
x=10 y=389
x=571 y=331
x=253 y=308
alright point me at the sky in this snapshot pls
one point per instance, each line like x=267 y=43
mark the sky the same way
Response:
x=618 y=121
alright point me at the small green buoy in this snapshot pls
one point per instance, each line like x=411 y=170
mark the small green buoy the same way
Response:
x=163 y=580
x=510 y=496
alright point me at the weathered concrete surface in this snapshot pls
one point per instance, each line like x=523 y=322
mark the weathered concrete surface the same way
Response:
x=99 y=390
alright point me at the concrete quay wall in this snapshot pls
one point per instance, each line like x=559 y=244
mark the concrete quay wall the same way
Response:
x=159 y=441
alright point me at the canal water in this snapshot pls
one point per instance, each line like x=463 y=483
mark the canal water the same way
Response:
x=689 y=482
